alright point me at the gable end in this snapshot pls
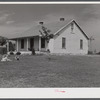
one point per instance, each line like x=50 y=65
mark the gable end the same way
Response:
x=58 y=32
x=81 y=30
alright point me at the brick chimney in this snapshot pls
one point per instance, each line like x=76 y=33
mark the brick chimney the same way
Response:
x=62 y=19
x=41 y=23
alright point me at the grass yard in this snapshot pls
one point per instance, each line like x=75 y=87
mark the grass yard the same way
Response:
x=58 y=71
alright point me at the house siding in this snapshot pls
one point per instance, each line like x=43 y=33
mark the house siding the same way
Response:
x=72 y=41
x=51 y=45
x=25 y=45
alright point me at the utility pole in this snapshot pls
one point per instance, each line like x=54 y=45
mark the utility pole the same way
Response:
x=91 y=39
x=7 y=46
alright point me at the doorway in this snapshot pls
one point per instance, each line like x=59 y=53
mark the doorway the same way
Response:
x=31 y=43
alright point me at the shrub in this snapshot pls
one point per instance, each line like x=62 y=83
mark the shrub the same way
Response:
x=98 y=53
x=3 y=41
x=18 y=53
x=11 y=53
x=90 y=52
x=29 y=49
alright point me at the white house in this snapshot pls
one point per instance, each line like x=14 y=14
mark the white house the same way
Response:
x=68 y=38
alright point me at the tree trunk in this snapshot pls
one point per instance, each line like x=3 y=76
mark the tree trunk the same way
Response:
x=47 y=49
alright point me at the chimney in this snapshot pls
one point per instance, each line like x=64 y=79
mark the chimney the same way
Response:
x=62 y=19
x=41 y=23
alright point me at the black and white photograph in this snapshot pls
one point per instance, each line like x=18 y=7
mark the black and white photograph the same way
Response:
x=49 y=45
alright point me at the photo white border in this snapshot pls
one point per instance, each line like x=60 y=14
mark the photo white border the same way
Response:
x=58 y=2
x=50 y=92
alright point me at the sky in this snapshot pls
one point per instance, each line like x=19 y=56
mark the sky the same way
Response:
x=16 y=18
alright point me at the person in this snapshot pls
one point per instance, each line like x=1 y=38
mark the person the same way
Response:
x=5 y=58
x=33 y=51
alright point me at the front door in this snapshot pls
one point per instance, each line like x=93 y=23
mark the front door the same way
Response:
x=31 y=43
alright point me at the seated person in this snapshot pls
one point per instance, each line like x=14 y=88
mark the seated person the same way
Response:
x=5 y=58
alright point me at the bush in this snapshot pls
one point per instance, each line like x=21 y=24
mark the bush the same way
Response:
x=51 y=35
x=90 y=52
x=29 y=49
x=98 y=53
x=11 y=53
x=18 y=53
x=3 y=50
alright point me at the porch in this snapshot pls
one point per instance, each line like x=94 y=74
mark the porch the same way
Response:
x=26 y=44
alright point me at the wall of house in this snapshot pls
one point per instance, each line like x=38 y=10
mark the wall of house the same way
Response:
x=51 y=45
x=48 y=46
x=72 y=41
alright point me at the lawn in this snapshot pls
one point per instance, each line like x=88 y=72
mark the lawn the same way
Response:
x=58 y=71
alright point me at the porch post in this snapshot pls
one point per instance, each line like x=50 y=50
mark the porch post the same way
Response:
x=39 y=43
x=17 y=45
x=7 y=45
x=27 y=44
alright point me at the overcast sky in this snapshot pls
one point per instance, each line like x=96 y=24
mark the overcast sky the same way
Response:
x=16 y=18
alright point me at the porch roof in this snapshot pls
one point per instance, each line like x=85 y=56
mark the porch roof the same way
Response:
x=54 y=27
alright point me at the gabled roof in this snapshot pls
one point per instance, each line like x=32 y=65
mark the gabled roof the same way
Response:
x=81 y=29
x=54 y=27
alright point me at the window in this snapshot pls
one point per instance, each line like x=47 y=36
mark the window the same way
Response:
x=81 y=44
x=72 y=27
x=63 y=43
x=22 y=44
x=42 y=42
